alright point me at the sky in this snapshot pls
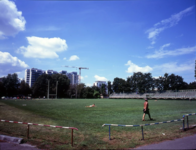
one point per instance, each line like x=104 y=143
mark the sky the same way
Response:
x=112 y=38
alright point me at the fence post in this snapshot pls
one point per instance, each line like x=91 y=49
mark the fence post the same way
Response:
x=187 y=121
x=142 y=133
x=72 y=137
x=183 y=123
x=27 y=131
x=109 y=132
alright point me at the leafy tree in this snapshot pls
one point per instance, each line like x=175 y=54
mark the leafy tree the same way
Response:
x=63 y=84
x=2 y=90
x=119 y=85
x=96 y=94
x=87 y=92
x=11 y=83
x=148 y=82
x=80 y=88
x=192 y=85
x=132 y=83
x=186 y=86
x=175 y=82
x=103 y=90
x=71 y=92
x=110 y=91
x=95 y=88
x=140 y=82
x=143 y=82
x=40 y=87
x=159 y=83
x=166 y=81
x=24 y=88
x=97 y=91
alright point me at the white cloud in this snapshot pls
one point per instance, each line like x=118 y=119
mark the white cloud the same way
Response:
x=155 y=77
x=150 y=47
x=89 y=84
x=64 y=58
x=162 y=53
x=10 y=64
x=98 y=78
x=165 y=45
x=73 y=57
x=11 y=20
x=135 y=68
x=173 y=67
x=166 y=23
x=43 y=47
x=84 y=77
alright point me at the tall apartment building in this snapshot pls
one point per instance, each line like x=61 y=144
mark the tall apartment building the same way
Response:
x=195 y=70
x=73 y=77
x=99 y=83
x=63 y=72
x=50 y=72
x=32 y=74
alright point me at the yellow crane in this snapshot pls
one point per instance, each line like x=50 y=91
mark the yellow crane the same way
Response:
x=79 y=71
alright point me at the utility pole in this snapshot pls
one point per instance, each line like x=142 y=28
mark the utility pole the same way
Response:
x=48 y=88
x=56 y=88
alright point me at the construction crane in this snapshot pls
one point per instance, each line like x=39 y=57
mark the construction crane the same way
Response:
x=79 y=71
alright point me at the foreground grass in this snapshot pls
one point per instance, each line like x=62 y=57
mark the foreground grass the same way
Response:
x=91 y=134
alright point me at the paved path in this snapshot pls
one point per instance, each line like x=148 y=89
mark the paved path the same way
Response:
x=12 y=146
x=182 y=143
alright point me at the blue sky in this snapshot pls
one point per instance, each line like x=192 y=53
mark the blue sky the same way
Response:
x=111 y=38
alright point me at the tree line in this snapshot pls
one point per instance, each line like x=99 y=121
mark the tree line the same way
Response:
x=139 y=82
x=144 y=82
x=10 y=86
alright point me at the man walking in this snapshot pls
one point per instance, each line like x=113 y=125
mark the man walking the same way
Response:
x=146 y=110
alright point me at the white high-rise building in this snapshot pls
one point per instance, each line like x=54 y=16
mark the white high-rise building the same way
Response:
x=50 y=72
x=63 y=72
x=73 y=77
x=99 y=83
x=195 y=70
x=32 y=74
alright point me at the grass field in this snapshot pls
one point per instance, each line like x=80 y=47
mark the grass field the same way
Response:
x=89 y=121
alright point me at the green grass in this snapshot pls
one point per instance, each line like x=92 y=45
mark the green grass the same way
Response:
x=89 y=121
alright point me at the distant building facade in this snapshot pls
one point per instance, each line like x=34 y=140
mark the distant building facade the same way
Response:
x=32 y=74
x=195 y=70
x=73 y=77
x=99 y=84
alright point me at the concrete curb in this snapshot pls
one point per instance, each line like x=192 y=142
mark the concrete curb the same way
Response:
x=15 y=140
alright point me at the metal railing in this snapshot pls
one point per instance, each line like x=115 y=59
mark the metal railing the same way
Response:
x=28 y=127
x=156 y=123
x=187 y=120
